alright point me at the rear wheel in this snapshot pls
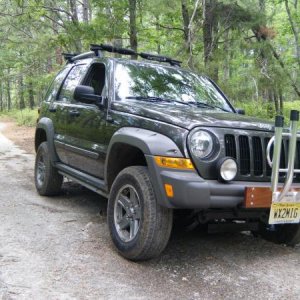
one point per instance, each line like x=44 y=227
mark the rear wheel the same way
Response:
x=139 y=227
x=48 y=181
x=288 y=234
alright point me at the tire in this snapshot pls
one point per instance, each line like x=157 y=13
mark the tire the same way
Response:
x=146 y=230
x=48 y=181
x=288 y=234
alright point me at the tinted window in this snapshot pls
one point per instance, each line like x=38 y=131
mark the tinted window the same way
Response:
x=72 y=80
x=96 y=78
x=147 y=82
x=56 y=83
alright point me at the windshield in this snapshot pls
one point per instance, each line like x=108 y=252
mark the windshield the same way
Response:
x=161 y=83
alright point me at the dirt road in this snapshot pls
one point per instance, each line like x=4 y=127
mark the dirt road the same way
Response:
x=59 y=248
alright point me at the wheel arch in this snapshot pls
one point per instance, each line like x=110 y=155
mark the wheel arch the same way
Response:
x=129 y=146
x=45 y=133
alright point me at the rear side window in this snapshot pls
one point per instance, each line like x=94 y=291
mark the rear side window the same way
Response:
x=56 y=83
x=72 y=80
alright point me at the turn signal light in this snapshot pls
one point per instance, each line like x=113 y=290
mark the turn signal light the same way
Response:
x=174 y=162
x=169 y=190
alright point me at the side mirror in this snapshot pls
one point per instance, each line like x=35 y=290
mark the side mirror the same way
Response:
x=240 y=111
x=86 y=94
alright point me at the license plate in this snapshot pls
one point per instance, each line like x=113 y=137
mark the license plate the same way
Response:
x=282 y=213
x=285 y=211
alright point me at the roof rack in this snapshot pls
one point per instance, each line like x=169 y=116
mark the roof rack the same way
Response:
x=69 y=56
x=90 y=54
x=97 y=49
x=124 y=51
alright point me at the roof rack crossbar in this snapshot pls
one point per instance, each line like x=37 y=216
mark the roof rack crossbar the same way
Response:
x=160 y=58
x=73 y=57
x=109 y=48
x=69 y=56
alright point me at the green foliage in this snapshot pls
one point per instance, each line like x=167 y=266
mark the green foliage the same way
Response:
x=261 y=109
x=26 y=117
x=245 y=35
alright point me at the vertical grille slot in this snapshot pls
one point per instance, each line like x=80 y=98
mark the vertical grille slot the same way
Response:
x=257 y=156
x=244 y=155
x=230 y=146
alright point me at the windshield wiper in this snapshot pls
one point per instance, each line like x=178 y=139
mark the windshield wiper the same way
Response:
x=203 y=104
x=157 y=99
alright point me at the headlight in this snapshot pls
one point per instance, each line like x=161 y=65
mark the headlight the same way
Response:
x=227 y=169
x=201 y=144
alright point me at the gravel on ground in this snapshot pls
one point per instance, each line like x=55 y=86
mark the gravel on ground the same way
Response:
x=59 y=248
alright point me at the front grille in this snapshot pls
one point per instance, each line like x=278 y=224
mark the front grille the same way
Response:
x=250 y=154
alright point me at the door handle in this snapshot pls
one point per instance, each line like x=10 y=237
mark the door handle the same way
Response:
x=74 y=113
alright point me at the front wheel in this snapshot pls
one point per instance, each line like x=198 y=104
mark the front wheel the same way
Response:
x=139 y=227
x=48 y=181
x=288 y=234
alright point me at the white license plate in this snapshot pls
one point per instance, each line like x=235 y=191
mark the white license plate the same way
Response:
x=287 y=210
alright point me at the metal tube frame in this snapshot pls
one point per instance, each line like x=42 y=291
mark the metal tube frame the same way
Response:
x=275 y=164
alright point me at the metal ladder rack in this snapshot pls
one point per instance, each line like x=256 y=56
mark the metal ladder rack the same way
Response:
x=276 y=140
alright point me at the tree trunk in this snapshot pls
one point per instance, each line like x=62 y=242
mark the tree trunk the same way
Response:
x=295 y=30
x=1 y=97
x=158 y=31
x=118 y=43
x=75 y=20
x=8 y=85
x=280 y=101
x=21 y=92
x=85 y=11
x=209 y=28
x=293 y=84
x=30 y=94
x=186 y=22
x=226 y=56
x=132 y=27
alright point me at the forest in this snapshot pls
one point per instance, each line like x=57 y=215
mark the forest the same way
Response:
x=250 y=48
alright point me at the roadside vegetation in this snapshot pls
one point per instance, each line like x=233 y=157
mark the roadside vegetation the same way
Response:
x=250 y=48
x=26 y=117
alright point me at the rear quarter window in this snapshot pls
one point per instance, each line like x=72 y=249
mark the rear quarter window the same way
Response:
x=55 y=85
x=72 y=80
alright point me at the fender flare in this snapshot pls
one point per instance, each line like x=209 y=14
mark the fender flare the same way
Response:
x=150 y=143
x=47 y=125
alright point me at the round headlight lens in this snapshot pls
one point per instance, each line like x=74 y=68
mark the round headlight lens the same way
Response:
x=201 y=144
x=228 y=169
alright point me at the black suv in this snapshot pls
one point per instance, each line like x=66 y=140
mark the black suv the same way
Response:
x=154 y=138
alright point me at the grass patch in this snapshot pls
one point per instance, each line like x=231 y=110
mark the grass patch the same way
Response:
x=262 y=110
x=26 y=117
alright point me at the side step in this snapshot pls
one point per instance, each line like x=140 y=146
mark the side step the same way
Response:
x=92 y=183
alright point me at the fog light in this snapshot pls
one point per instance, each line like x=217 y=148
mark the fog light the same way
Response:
x=227 y=169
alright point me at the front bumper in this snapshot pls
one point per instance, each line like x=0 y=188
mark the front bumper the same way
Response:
x=193 y=192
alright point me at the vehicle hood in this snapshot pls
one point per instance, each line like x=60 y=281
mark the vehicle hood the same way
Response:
x=189 y=117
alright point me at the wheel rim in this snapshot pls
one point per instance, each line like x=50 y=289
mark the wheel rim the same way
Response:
x=41 y=170
x=127 y=213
